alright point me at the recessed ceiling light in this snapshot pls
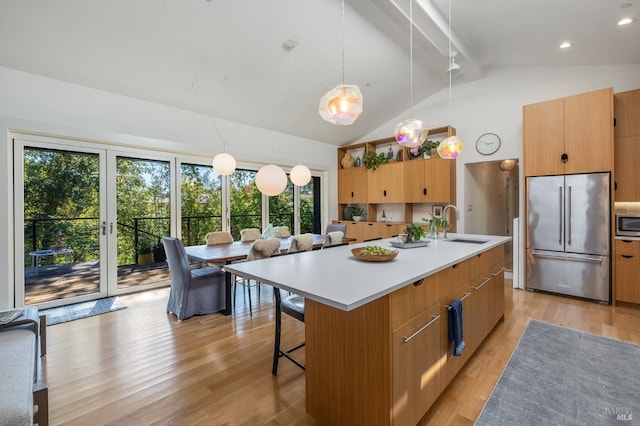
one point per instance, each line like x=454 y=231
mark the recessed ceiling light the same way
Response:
x=565 y=45
x=626 y=21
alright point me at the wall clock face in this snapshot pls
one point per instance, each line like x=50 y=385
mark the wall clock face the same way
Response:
x=488 y=143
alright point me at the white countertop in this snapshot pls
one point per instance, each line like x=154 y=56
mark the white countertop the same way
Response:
x=336 y=278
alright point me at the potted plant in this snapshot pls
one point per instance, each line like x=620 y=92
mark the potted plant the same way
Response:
x=430 y=148
x=357 y=213
x=372 y=160
x=436 y=225
x=159 y=254
x=414 y=232
x=145 y=252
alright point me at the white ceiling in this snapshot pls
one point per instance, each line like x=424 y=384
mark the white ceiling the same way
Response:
x=227 y=58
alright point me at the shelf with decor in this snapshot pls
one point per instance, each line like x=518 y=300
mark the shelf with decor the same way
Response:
x=381 y=172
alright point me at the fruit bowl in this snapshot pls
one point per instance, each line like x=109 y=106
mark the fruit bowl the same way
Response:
x=374 y=257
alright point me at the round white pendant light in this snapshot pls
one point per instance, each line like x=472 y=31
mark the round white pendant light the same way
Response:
x=271 y=180
x=300 y=175
x=224 y=163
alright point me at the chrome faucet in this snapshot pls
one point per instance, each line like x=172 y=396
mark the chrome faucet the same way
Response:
x=444 y=215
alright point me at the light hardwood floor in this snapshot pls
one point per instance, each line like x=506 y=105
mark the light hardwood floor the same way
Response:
x=139 y=366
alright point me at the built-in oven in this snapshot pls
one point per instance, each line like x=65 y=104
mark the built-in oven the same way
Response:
x=628 y=224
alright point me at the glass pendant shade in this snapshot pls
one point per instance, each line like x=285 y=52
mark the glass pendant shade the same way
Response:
x=271 y=180
x=342 y=105
x=300 y=175
x=450 y=147
x=224 y=164
x=411 y=132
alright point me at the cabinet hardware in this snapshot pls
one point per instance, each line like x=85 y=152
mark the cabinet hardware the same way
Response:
x=461 y=299
x=351 y=194
x=424 y=327
x=385 y=192
x=497 y=272
x=419 y=282
x=483 y=283
x=564 y=158
x=424 y=191
x=626 y=256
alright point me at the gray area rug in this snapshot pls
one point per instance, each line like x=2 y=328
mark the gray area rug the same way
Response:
x=82 y=310
x=559 y=376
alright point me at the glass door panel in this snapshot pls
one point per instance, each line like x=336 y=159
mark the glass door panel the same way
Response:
x=201 y=202
x=62 y=195
x=143 y=216
x=281 y=208
x=310 y=207
x=245 y=202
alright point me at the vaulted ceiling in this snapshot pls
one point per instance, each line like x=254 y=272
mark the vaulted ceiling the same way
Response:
x=267 y=63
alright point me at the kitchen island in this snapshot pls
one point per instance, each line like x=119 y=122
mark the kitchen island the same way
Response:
x=377 y=349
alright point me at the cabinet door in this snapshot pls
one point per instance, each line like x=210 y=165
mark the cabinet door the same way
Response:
x=627 y=271
x=453 y=364
x=354 y=230
x=375 y=185
x=352 y=185
x=627 y=152
x=416 y=366
x=543 y=138
x=394 y=182
x=437 y=174
x=588 y=132
x=626 y=108
x=369 y=230
x=415 y=188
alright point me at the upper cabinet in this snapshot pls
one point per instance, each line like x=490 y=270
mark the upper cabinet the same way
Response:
x=352 y=185
x=428 y=181
x=627 y=145
x=386 y=183
x=569 y=135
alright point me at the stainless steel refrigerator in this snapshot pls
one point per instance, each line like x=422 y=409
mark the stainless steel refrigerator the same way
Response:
x=569 y=235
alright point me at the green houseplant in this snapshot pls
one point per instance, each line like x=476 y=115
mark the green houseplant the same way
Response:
x=428 y=147
x=414 y=232
x=357 y=213
x=436 y=225
x=372 y=160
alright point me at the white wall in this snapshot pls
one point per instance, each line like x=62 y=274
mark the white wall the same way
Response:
x=494 y=104
x=31 y=103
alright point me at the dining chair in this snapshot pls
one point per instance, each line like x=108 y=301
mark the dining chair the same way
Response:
x=333 y=238
x=292 y=305
x=332 y=227
x=301 y=242
x=193 y=292
x=284 y=231
x=260 y=249
x=250 y=234
x=218 y=237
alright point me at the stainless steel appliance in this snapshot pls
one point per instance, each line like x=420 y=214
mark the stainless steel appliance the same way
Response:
x=628 y=224
x=569 y=234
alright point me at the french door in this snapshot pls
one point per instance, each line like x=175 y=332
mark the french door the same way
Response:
x=88 y=221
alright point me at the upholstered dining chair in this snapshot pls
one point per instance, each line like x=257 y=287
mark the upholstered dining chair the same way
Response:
x=193 y=292
x=260 y=249
x=333 y=238
x=218 y=237
x=250 y=234
x=332 y=227
x=292 y=305
x=301 y=242
x=284 y=231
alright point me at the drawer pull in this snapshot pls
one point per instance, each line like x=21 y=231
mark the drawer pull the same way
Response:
x=497 y=272
x=483 y=283
x=626 y=256
x=461 y=299
x=424 y=327
x=418 y=282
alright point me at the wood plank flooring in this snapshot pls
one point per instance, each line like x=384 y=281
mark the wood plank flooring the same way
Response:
x=139 y=366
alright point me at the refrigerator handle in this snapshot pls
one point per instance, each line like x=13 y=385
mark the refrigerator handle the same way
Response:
x=569 y=216
x=560 y=218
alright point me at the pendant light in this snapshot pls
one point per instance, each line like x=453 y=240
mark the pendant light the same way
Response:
x=300 y=175
x=451 y=146
x=342 y=105
x=271 y=180
x=411 y=132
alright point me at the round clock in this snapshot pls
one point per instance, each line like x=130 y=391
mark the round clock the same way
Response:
x=488 y=143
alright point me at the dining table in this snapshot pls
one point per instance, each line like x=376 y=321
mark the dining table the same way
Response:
x=224 y=254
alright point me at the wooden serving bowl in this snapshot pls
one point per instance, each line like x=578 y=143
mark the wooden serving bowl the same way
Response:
x=373 y=257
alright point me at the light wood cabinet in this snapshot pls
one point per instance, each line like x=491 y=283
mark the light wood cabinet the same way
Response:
x=412 y=362
x=627 y=264
x=352 y=185
x=427 y=181
x=569 y=135
x=627 y=145
x=386 y=184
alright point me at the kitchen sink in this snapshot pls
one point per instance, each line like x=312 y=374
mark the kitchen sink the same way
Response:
x=465 y=240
